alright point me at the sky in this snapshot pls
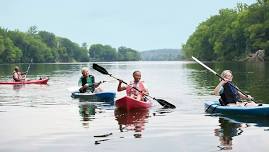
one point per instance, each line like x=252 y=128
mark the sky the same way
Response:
x=137 y=24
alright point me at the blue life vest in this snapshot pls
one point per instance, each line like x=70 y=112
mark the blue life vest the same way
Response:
x=229 y=94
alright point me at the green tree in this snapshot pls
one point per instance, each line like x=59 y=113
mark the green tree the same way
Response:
x=9 y=53
x=127 y=54
x=48 y=38
x=101 y=52
x=33 y=30
x=231 y=34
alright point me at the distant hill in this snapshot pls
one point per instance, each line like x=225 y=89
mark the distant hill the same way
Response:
x=161 y=55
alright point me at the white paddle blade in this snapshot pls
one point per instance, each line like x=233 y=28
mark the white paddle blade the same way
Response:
x=195 y=59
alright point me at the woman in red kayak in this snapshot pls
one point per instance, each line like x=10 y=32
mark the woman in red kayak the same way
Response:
x=18 y=75
x=136 y=83
x=229 y=95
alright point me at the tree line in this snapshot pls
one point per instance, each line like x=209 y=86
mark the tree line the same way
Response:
x=99 y=52
x=232 y=34
x=43 y=46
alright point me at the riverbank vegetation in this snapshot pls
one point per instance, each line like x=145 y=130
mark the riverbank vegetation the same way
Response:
x=43 y=46
x=233 y=34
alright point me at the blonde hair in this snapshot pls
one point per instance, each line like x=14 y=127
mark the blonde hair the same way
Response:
x=84 y=69
x=225 y=72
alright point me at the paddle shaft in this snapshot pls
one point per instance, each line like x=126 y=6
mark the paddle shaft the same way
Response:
x=130 y=86
x=28 y=68
x=211 y=70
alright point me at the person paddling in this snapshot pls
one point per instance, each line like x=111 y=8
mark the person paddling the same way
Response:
x=18 y=75
x=136 y=83
x=229 y=95
x=87 y=82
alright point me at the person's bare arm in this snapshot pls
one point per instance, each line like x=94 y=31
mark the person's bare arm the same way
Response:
x=217 y=89
x=16 y=77
x=120 y=88
x=145 y=92
x=241 y=95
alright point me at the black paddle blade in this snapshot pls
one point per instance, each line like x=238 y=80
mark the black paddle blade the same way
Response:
x=99 y=69
x=165 y=104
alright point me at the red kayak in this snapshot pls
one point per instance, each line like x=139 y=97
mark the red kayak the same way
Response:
x=129 y=103
x=41 y=81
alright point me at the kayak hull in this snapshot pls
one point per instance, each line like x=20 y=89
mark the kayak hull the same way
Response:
x=215 y=107
x=42 y=81
x=95 y=97
x=129 y=103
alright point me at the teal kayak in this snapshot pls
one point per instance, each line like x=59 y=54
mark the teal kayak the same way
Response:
x=215 y=107
x=95 y=97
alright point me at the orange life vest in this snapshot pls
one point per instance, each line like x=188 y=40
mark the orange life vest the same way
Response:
x=131 y=91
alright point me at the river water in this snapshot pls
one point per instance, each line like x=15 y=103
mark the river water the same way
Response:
x=46 y=118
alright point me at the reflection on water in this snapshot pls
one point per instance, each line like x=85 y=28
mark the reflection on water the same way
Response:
x=133 y=120
x=227 y=131
x=87 y=112
x=50 y=120
x=231 y=126
x=251 y=121
x=17 y=87
x=162 y=111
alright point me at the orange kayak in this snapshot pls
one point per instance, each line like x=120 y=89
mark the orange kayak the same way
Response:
x=42 y=81
x=129 y=103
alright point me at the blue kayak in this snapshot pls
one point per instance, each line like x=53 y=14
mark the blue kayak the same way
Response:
x=95 y=97
x=215 y=107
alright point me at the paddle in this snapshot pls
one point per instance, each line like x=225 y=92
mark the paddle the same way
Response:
x=28 y=68
x=162 y=102
x=195 y=59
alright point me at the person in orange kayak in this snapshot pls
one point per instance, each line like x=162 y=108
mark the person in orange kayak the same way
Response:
x=87 y=82
x=136 y=83
x=229 y=95
x=18 y=75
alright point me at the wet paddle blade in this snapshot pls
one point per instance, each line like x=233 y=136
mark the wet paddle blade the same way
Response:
x=99 y=69
x=165 y=104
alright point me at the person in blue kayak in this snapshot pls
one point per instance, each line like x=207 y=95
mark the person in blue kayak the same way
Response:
x=230 y=96
x=18 y=75
x=136 y=83
x=87 y=82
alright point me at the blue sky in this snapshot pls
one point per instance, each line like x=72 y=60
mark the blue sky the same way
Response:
x=137 y=24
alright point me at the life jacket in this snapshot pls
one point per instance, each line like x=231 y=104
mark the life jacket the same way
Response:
x=131 y=91
x=229 y=95
x=88 y=80
x=19 y=76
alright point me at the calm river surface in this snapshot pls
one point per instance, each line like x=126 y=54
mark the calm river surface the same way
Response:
x=46 y=118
